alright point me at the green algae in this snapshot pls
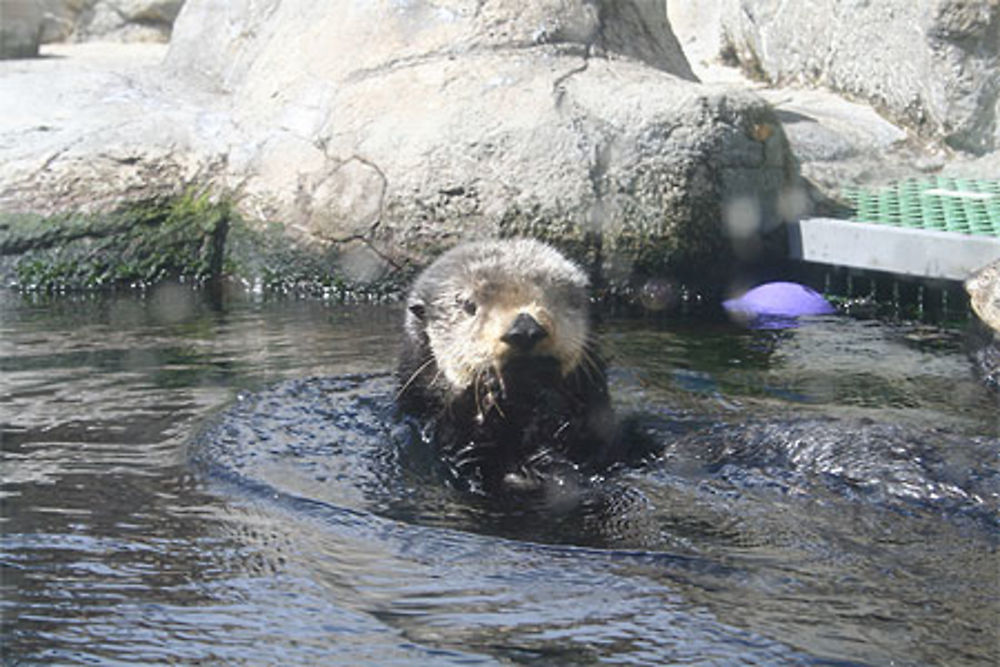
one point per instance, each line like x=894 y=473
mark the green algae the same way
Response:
x=138 y=244
x=192 y=237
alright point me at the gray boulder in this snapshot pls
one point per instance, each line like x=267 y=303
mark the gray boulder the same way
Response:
x=931 y=64
x=109 y=20
x=984 y=294
x=20 y=28
x=97 y=125
x=406 y=127
x=390 y=130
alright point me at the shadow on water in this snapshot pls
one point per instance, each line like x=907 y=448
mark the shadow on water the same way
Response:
x=186 y=482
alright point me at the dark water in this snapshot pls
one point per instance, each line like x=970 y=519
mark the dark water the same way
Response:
x=185 y=483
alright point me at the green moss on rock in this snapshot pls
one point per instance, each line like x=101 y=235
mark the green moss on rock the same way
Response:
x=191 y=237
x=138 y=244
x=264 y=257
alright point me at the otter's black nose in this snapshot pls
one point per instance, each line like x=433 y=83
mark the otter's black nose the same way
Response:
x=524 y=333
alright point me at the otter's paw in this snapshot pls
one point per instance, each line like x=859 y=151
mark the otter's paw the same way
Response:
x=490 y=391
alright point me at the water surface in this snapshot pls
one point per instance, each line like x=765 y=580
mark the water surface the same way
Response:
x=187 y=481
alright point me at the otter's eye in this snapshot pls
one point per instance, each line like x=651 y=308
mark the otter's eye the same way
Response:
x=419 y=310
x=469 y=306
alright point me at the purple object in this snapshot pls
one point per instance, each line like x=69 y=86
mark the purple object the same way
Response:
x=779 y=301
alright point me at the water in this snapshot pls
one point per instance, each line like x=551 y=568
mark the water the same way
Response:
x=185 y=482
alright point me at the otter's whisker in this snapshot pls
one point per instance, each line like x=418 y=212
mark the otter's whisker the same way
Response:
x=503 y=392
x=414 y=375
x=476 y=385
x=588 y=364
x=592 y=362
x=500 y=381
x=591 y=367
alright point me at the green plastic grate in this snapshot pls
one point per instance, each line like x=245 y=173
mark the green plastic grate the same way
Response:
x=960 y=205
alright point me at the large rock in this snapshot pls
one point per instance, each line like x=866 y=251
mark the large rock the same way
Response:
x=95 y=125
x=20 y=28
x=984 y=296
x=109 y=20
x=391 y=129
x=410 y=125
x=932 y=64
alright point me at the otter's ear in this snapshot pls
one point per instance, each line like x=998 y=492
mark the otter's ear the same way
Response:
x=418 y=309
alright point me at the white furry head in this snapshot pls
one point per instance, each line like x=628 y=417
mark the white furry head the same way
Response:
x=467 y=301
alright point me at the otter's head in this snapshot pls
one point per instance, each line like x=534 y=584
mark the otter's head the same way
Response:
x=488 y=307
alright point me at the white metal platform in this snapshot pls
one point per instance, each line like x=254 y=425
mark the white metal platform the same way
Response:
x=879 y=247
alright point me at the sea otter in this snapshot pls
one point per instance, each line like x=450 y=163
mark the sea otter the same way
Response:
x=500 y=368
x=984 y=297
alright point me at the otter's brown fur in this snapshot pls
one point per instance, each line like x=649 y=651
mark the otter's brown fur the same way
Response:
x=500 y=366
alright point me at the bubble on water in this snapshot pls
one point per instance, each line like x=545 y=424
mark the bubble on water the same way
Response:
x=741 y=217
x=361 y=265
x=793 y=203
x=658 y=294
x=171 y=302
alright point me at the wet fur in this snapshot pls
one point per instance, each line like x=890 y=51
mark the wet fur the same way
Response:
x=499 y=419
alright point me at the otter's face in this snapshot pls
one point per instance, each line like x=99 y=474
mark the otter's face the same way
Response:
x=488 y=307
